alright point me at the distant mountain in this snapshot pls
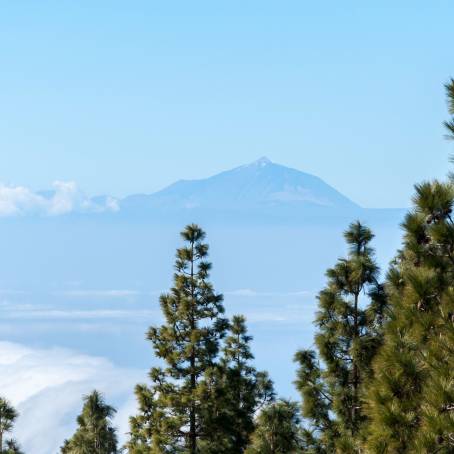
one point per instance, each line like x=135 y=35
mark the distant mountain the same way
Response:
x=260 y=186
x=256 y=192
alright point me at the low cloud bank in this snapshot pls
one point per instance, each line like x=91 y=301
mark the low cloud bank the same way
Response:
x=46 y=386
x=65 y=198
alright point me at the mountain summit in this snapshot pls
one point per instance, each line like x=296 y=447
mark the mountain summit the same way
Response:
x=261 y=162
x=258 y=186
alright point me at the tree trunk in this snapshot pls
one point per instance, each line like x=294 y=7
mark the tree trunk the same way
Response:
x=192 y=411
x=192 y=427
x=355 y=403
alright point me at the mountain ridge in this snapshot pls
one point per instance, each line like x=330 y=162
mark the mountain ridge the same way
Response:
x=261 y=184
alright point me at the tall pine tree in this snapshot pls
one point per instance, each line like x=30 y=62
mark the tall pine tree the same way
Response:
x=412 y=397
x=95 y=434
x=351 y=312
x=171 y=410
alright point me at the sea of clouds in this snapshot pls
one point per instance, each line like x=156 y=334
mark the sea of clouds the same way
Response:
x=46 y=385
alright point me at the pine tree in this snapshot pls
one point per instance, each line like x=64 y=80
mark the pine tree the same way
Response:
x=171 y=410
x=349 y=320
x=237 y=391
x=8 y=416
x=95 y=434
x=277 y=430
x=412 y=397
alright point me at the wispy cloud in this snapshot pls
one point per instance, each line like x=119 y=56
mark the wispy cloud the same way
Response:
x=40 y=313
x=65 y=198
x=247 y=292
x=98 y=293
x=25 y=311
x=46 y=385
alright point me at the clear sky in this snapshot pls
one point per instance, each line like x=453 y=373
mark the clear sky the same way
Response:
x=128 y=96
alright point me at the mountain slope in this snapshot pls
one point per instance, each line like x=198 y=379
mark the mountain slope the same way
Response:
x=257 y=186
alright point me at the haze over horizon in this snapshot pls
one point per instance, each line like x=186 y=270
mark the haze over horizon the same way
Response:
x=249 y=185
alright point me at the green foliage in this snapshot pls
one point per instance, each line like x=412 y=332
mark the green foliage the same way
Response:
x=94 y=434
x=172 y=411
x=349 y=320
x=450 y=95
x=8 y=416
x=235 y=391
x=316 y=404
x=277 y=430
x=411 y=400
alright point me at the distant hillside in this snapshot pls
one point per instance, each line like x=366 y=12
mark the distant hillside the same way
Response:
x=261 y=185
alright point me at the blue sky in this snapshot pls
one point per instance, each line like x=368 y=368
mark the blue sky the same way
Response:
x=127 y=97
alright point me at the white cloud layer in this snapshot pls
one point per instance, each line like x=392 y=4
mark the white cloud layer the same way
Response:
x=65 y=198
x=46 y=386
